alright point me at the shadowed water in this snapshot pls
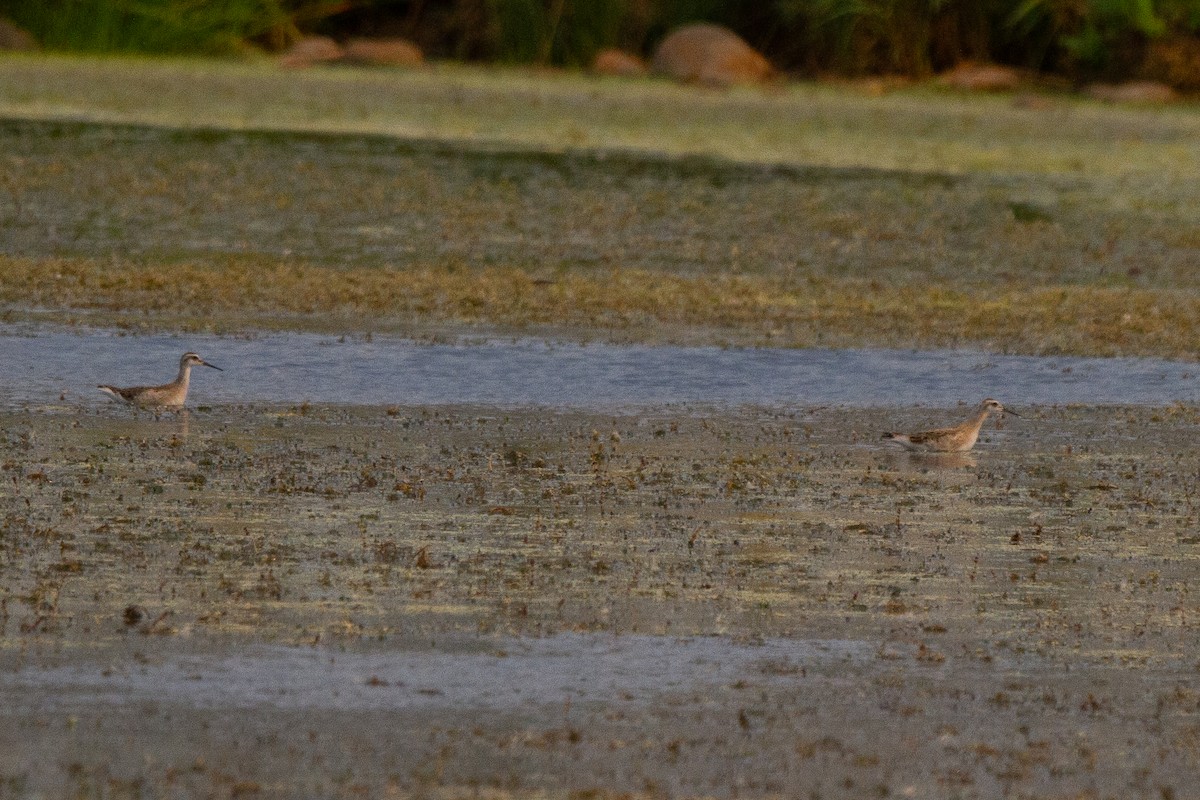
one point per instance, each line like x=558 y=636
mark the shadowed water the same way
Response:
x=38 y=366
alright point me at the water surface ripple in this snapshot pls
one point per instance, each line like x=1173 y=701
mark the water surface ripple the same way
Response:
x=512 y=675
x=39 y=365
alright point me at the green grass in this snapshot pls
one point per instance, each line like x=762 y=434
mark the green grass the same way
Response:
x=921 y=130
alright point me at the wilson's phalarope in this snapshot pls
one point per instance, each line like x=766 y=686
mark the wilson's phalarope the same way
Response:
x=169 y=395
x=958 y=439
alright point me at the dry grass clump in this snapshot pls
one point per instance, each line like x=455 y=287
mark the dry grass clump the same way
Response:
x=792 y=311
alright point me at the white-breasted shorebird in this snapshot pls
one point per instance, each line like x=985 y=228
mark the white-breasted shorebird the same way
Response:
x=169 y=395
x=958 y=439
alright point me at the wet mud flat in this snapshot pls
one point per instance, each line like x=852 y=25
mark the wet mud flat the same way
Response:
x=451 y=601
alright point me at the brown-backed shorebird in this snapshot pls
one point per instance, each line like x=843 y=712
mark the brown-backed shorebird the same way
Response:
x=958 y=439
x=169 y=395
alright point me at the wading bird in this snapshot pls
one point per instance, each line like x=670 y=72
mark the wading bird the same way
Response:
x=958 y=439
x=169 y=395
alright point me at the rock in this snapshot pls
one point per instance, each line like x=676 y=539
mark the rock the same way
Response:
x=876 y=85
x=973 y=77
x=618 y=63
x=710 y=55
x=14 y=37
x=312 y=50
x=1143 y=92
x=383 y=53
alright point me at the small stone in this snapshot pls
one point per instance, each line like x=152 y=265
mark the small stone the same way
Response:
x=973 y=77
x=383 y=53
x=311 y=50
x=1140 y=92
x=619 y=64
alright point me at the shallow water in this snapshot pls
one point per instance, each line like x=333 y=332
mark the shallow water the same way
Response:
x=512 y=674
x=39 y=365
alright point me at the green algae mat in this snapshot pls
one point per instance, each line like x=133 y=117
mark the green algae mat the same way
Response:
x=184 y=195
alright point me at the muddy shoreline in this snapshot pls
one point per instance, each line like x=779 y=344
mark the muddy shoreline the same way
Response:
x=1013 y=615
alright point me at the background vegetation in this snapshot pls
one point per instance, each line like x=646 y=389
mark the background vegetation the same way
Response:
x=1079 y=38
